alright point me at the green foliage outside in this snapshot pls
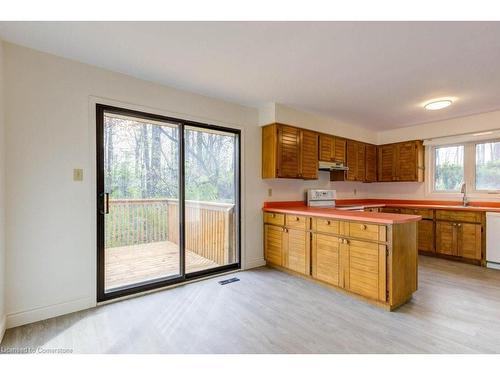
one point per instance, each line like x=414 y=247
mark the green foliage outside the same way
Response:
x=449 y=177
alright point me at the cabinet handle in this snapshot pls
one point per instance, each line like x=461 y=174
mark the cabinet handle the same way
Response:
x=459 y=224
x=341 y=240
x=273 y=215
x=346 y=241
x=363 y=226
x=328 y=222
x=297 y=218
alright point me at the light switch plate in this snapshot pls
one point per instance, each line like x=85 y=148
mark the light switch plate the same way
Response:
x=77 y=174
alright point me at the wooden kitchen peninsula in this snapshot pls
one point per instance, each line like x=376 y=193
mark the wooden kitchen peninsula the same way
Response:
x=369 y=254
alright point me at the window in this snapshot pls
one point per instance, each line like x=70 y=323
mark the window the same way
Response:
x=477 y=164
x=448 y=168
x=488 y=166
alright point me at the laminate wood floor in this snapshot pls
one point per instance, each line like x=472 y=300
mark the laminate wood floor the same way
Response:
x=455 y=310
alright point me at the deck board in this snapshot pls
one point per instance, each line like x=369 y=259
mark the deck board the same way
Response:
x=132 y=264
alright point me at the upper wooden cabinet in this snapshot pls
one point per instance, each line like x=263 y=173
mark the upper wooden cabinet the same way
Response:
x=355 y=160
x=370 y=163
x=331 y=149
x=289 y=152
x=401 y=162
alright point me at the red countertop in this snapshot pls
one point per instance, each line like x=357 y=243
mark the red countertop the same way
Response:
x=446 y=205
x=372 y=217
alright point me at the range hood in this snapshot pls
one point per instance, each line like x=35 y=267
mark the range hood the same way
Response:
x=332 y=166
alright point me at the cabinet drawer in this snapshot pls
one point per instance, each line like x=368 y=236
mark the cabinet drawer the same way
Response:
x=471 y=217
x=296 y=221
x=326 y=225
x=392 y=210
x=426 y=213
x=366 y=231
x=274 y=218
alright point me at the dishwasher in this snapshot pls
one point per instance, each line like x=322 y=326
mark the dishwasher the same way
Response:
x=493 y=240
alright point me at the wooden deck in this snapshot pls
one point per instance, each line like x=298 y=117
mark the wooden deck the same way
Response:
x=132 y=264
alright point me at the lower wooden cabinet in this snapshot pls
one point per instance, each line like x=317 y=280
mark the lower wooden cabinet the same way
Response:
x=425 y=230
x=296 y=250
x=358 y=266
x=455 y=233
x=378 y=262
x=326 y=258
x=273 y=244
x=469 y=241
x=287 y=247
x=366 y=273
x=458 y=239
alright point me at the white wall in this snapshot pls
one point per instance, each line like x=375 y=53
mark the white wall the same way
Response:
x=2 y=200
x=292 y=116
x=50 y=231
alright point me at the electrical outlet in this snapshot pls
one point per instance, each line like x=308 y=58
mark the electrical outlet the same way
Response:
x=77 y=174
x=269 y=192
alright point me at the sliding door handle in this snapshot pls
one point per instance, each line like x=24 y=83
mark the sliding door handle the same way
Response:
x=105 y=196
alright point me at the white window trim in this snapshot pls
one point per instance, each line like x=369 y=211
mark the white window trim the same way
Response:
x=469 y=173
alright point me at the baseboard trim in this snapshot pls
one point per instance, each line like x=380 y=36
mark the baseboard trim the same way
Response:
x=35 y=315
x=3 y=324
x=255 y=263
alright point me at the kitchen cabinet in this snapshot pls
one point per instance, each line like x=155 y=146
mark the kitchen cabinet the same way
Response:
x=355 y=160
x=289 y=152
x=332 y=149
x=450 y=233
x=376 y=262
x=365 y=273
x=273 y=244
x=401 y=162
x=289 y=245
x=425 y=227
x=326 y=258
x=296 y=250
x=458 y=239
x=370 y=163
x=425 y=236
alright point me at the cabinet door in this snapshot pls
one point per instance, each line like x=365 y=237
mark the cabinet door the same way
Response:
x=406 y=162
x=297 y=254
x=446 y=238
x=367 y=269
x=288 y=152
x=352 y=160
x=361 y=165
x=326 y=147
x=326 y=258
x=426 y=235
x=371 y=163
x=340 y=150
x=273 y=244
x=309 y=155
x=469 y=240
x=386 y=156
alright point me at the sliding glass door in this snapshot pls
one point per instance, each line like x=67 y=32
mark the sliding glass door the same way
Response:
x=167 y=201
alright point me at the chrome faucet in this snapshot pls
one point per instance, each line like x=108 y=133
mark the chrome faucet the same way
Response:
x=463 y=190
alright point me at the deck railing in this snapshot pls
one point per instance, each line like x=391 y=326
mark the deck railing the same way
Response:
x=210 y=226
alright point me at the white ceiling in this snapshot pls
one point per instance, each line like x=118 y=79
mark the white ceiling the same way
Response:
x=374 y=74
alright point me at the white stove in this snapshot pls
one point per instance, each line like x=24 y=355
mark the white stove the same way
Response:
x=321 y=198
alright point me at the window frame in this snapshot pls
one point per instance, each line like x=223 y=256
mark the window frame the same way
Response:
x=469 y=171
x=473 y=173
x=433 y=164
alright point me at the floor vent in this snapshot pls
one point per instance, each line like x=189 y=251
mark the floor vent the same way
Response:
x=227 y=281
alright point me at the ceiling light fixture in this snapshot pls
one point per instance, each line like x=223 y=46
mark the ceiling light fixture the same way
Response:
x=438 y=104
